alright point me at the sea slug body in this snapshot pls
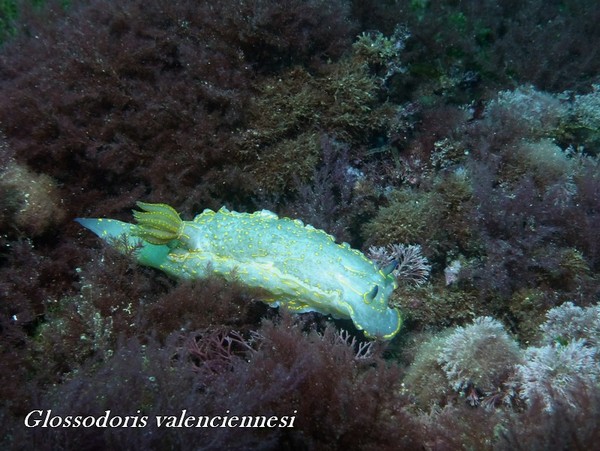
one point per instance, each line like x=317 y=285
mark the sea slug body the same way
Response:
x=302 y=268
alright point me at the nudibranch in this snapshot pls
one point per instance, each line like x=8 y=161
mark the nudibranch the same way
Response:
x=301 y=267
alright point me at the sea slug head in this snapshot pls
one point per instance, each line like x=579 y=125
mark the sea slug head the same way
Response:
x=373 y=315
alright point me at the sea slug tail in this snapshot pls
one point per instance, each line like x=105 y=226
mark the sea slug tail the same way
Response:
x=107 y=229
